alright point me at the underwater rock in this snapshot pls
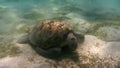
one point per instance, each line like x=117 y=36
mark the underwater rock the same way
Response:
x=50 y=37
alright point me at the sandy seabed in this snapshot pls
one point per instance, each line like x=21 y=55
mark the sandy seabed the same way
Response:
x=92 y=53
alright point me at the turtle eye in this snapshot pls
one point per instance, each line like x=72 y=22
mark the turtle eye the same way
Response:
x=72 y=39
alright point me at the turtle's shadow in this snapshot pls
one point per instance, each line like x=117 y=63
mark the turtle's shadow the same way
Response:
x=65 y=54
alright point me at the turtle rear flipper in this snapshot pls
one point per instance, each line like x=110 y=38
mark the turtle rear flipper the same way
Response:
x=23 y=40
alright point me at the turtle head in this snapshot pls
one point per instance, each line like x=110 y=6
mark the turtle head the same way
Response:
x=72 y=41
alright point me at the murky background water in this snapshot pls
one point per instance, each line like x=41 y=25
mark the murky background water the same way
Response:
x=100 y=18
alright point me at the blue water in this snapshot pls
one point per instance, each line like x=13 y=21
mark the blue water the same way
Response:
x=107 y=4
x=88 y=5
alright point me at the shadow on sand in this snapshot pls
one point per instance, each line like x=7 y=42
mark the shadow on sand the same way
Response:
x=65 y=54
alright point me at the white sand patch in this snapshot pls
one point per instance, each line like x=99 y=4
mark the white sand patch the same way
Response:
x=112 y=32
x=95 y=46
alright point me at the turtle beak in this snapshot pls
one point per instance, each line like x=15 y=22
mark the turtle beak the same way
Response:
x=72 y=41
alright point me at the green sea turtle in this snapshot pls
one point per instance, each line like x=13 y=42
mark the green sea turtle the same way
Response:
x=49 y=37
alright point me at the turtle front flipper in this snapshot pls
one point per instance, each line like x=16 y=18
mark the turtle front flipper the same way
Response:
x=79 y=36
x=24 y=39
x=51 y=52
